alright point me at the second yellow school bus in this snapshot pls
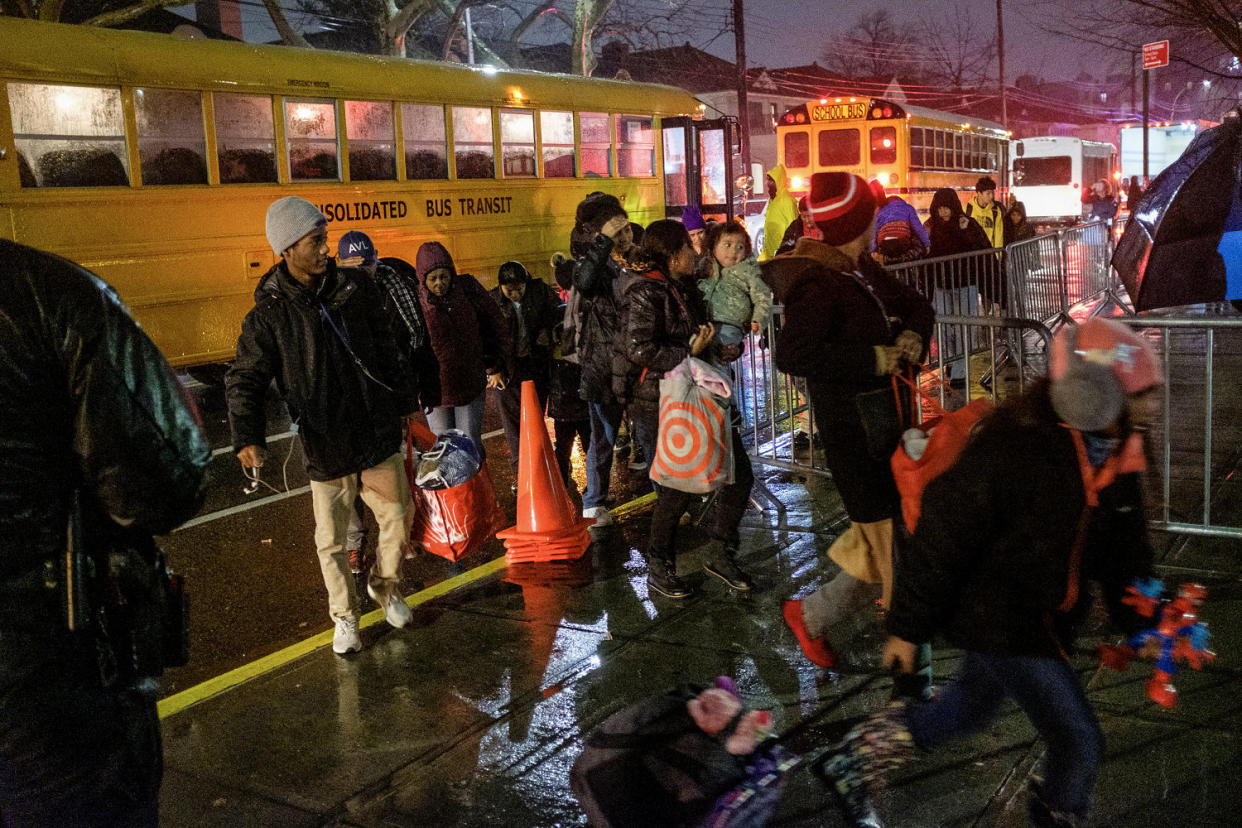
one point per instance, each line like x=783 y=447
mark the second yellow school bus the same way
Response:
x=913 y=151
x=152 y=160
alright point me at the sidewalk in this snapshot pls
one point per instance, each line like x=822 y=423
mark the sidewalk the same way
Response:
x=474 y=714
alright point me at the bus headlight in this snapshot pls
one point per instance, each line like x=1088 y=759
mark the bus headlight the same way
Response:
x=884 y=178
x=797 y=182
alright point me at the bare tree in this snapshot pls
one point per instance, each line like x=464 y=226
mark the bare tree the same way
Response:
x=98 y=13
x=877 y=45
x=959 y=47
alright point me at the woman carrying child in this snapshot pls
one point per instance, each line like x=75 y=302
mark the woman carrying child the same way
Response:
x=738 y=302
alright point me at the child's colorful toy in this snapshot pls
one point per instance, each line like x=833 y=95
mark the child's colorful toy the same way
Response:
x=1178 y=637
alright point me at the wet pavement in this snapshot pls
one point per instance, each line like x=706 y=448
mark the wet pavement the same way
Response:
x=474 y=714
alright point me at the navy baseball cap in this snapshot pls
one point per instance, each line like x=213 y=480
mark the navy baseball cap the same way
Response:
x=356 y=243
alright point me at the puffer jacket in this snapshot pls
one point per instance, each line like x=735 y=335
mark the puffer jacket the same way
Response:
x=469 y=336
x=992 y=577
x=89 y=402
x=346 y=420
x=595 y=277
x=660 y=316
x=737 y=294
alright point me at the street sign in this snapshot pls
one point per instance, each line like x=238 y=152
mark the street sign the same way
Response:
x=1156 y=54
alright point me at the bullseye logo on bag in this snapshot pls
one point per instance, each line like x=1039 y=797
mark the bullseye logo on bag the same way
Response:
x=694 y=440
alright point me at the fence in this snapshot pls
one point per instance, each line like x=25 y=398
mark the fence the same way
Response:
x=1198 y=443
x=1049 y=274
x=776 y=408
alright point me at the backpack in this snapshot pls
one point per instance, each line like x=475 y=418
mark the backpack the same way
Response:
x=946 y=435
x=897 y=241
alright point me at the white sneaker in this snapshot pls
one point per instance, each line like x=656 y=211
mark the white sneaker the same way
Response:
x=345 y=639
x=601 y=514
x=396 y=611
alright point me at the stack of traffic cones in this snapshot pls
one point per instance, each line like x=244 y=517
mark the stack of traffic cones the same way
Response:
x=548 y=526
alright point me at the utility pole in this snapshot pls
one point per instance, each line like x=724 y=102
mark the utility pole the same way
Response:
x=469 y=39
x=1146 y=102
x=1000 y=55
x=743 y=109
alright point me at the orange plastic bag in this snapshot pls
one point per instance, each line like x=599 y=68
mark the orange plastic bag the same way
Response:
x=948 y=433
x=453 y=522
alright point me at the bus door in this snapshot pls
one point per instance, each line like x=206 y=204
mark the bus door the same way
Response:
x=698 y=165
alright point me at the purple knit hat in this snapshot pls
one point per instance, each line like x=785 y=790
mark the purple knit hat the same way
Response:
x=692 y=218
x=432 y=255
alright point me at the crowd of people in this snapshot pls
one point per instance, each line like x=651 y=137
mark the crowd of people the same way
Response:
x=358 y=345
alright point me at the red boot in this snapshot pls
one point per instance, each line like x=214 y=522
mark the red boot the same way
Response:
x=1160 y=689
x=816 y=649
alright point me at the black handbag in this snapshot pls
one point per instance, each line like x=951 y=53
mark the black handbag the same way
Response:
x=881 y=420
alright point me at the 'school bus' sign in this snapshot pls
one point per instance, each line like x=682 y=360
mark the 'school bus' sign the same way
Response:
x=839 y=111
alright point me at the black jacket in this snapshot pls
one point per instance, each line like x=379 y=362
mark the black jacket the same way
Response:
x=86 y=401
x=990 y=560
x=833 y=324
x=659 y=317
x=541 y=311
x=595 y=277
x=347 y=421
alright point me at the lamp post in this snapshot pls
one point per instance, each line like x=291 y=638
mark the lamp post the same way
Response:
x=1207 y=85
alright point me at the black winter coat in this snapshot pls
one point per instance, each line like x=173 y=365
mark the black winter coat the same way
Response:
x=542 y=312
x=595 y=277
x=86 y=401
x=833 y=324
x=659 y=317
x=346 y=420
x=990 y=560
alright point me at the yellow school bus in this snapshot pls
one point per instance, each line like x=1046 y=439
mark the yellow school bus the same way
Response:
x=152 y=160
x=913 y=151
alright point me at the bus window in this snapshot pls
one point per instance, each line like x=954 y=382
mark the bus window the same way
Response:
x=426 y=149
x=517 y=143
x=797 y=150
x=916 y=147
x=473 y=150
x=714 y=167
x=310 y=137
x=556 y=131
x=959 y=160
x=372 y=141
x=884 y=145
x=635 y=147
x=938 y=139
x=171 y=143
x=1049 y=170
x=839 y=147
x=674 y=166
x=71 y=136
x=245 y=138
x=596 y=144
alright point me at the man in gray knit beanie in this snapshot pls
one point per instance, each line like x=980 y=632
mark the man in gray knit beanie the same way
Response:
x=325 y=337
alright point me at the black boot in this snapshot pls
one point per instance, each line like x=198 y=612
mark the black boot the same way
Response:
x=722 y=562
x=662 y=577
x=1044 y=815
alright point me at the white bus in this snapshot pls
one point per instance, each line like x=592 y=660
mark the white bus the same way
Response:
x=1050 y=175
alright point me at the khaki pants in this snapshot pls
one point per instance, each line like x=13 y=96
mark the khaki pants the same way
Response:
x=386 y=490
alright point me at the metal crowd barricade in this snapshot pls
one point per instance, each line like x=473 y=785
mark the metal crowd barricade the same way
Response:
x=1049 y=274
x=1191 y=439
x=772 y=403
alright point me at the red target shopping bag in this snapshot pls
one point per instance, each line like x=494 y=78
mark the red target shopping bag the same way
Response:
x=694 y=450
x=456 y=521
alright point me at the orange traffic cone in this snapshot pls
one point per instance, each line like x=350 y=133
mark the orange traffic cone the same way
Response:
x=548 y=526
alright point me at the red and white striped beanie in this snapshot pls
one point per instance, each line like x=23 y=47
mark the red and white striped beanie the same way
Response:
x=842 y=206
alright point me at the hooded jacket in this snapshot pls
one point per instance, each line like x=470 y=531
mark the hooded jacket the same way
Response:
x=541 y=313
x=1020 y=231
x=87 y=402
x=959 y=234
x=468 y=332
x=836 y=313
x=347 y=421
x=992 y=577
x=782 y=209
